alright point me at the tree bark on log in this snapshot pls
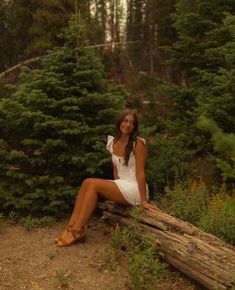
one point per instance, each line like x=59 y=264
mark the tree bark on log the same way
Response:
x=201 y=256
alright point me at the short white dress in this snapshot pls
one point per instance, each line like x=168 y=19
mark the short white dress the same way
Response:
x=127 y=182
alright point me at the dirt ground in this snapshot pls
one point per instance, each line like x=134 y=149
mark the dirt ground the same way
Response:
x=31 y=260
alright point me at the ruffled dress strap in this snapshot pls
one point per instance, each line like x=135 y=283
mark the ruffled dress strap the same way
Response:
x=141 y=139
x=109 y=145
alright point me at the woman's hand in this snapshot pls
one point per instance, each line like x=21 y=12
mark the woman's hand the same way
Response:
x=149 y=206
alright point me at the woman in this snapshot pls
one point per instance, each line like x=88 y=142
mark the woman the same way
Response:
x=128 y=187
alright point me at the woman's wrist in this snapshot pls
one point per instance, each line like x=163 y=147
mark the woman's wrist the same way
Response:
x=143 y=202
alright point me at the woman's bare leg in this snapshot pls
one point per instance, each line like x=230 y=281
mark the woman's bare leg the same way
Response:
x=78 y=202
x=87 y=200
x=74 y=216
x=105 y=188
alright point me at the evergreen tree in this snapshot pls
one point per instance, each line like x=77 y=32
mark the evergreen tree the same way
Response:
x=53 y=128
x=158 y=32
x=215 y=86
x=31 y=27
x=135 y=31
x=48 y=20
x=5 y=40
x=20 y=17
x=194 y=20
x=204 y=53
x=198 y=24
x=224 y=146
x=216 y=96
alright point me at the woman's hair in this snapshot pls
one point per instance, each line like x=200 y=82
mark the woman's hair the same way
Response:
x=133 y=134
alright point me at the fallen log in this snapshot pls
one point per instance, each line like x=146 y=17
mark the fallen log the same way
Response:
x=201 y=256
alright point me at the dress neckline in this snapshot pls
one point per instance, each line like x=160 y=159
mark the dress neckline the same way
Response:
x=122 y=157
x=115 y=154
x=118 y=156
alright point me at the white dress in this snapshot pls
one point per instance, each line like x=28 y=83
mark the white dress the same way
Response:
x=127 y=182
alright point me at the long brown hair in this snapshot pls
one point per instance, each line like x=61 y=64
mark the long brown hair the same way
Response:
x=133 y=134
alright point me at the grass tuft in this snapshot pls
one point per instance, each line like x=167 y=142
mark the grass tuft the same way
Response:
x=30 y=223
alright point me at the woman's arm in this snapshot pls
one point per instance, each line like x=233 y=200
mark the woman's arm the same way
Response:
x=141 y=154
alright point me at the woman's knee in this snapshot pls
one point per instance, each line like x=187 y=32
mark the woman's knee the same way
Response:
x=90 y=183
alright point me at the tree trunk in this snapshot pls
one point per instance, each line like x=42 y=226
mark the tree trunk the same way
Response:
x=200 y=256
x=15 y=68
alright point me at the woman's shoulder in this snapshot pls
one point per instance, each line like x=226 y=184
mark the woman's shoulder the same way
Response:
x=140 y=140
x=140 y=147
x=139 y=144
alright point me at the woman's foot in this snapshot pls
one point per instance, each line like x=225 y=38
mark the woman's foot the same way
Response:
x=72 y=237
x=65 y=233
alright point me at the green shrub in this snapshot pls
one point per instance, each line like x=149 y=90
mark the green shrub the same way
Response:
x=145 y=265
x=62 y=278
x=167 y=162
x=30 y=223
x=13 y=217
x=219 y=217
x=109 y=257
x=187 y=201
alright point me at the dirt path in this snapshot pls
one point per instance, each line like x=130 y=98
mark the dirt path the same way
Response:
x=31 y=260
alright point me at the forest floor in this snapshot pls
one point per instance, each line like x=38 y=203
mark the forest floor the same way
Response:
x=31 y=260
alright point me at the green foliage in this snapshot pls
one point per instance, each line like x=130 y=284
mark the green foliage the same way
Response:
x=13 y=217
x=167 y=162
x=215 y=86
x=204 y=54
x=194 y=202
x=136 y=213
x=62 y=278
x=142 y=261
x=109 y=258
x=30 y=223
x=145 y=263
x=30 y=28
x=149 y=23
x=187 y=201
x=6 y=44
x=49 y=19
x=53 y=128
x=219 y=217
x=224 y=144
x=194 y=20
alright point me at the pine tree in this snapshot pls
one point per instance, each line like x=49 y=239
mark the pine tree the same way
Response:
x=223 y=145
x=53 y=127
x=204 y=53
x=6 y=45
x=216 y=97
x=30 y=28
x=48 y=20
x=216 y=90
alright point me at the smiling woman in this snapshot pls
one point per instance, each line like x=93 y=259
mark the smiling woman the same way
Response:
x=129 y=186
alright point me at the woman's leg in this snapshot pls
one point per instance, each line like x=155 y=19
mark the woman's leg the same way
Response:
x=78 y=201
x=74 y=215
x=95 y=186
x=87 y=200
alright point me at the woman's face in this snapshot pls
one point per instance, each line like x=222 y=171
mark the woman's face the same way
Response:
x=127 y=124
